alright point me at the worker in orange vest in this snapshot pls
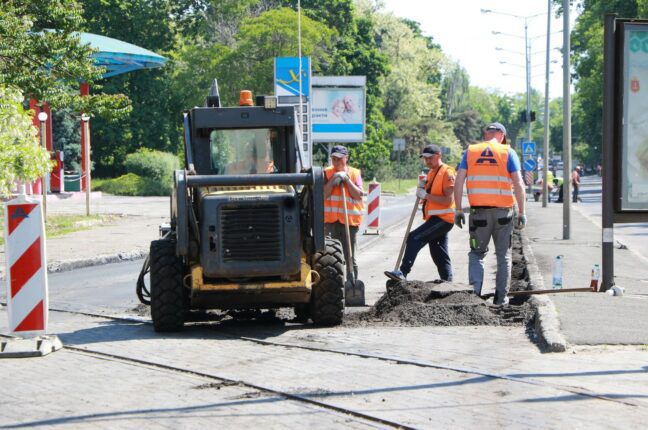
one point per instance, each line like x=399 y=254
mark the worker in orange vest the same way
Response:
x=436 y=193
x=491 y=171
x=340 y=173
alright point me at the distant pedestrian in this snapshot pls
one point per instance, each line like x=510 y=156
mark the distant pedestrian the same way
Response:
x=436 y=192
x=559 y=182
x=575 y=181
x=340 y=174
x=491 y=170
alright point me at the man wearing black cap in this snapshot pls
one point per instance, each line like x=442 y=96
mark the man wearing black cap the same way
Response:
x=491 y=170
x=339 y=175
x=436 y=193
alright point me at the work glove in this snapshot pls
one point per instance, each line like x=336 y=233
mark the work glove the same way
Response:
x=460 y=219
x=522 y=220
x=420 y=193
x=422 y=183
x=340 y=177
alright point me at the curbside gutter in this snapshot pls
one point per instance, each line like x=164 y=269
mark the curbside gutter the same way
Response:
x=547 y=324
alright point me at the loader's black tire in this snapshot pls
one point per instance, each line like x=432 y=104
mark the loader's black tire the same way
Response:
x=327 y=298
x=169 y=300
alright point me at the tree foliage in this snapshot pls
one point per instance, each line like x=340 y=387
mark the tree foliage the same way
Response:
x=587 y=49
x=41 y=54
x=21 y=156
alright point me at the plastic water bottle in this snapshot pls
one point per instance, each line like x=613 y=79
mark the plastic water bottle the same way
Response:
x=596 y=275
x=557 y=273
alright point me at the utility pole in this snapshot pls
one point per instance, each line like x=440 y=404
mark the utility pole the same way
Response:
x=527 y=51
x=545 y=155
x=42 y=117
x=85 y=118
x=566 y=125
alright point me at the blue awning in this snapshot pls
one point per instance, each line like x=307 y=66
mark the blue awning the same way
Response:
x=120 y=57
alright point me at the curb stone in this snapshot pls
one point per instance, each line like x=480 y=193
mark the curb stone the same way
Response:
x=547 y=324
x=67 y=265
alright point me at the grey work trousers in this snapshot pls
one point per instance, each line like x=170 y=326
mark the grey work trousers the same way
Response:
x=485 y=223
x=336 y=230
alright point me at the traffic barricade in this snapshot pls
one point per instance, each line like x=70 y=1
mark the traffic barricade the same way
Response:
x=27 y=299
x=373 y=208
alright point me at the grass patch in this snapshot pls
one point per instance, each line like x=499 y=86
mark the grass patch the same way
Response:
x=391 y=186
x=60 y=225
x=131 y=184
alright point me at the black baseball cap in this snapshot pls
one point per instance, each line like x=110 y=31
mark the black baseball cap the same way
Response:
x=339 y=151
x=497 y=127
x=430 y=150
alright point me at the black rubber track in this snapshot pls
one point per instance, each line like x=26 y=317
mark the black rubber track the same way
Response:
x=168 y=299
x=327 y=299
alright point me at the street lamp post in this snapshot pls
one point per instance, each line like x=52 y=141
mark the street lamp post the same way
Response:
x=86 y=144
x=545 y=155
x=566 y=125
x=527 y=55
x=42 y=117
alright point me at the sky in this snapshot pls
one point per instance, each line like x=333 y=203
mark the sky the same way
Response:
x=465 y=35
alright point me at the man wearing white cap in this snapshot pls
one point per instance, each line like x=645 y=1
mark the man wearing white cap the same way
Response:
x=491 y=170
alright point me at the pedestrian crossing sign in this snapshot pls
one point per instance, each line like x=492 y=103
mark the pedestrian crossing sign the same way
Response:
x=528 y=148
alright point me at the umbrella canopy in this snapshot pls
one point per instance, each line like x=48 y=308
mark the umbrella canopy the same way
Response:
x=120 y=57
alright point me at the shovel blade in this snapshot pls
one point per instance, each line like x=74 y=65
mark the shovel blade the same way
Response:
x=354 y=295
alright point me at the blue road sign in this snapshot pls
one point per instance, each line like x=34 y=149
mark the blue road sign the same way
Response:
x=528 y=148
x=287 y=76
x=530 y=164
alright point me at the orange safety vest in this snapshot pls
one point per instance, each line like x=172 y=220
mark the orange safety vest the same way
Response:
x=434 y=186
x=333 y=209
x=488 y=181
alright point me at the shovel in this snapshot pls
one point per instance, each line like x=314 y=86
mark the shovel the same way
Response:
x=354 y=290
x=407 y=232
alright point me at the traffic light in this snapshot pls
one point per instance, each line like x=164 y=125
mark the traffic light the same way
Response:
x=523 y=117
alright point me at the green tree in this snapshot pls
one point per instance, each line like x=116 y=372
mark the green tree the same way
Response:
x=587 y=49
x=21 y=156
x=67 y=137
x=41 y=55
x=155 y=118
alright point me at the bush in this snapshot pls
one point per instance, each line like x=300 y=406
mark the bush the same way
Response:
x=152 y=164
x=131 y=184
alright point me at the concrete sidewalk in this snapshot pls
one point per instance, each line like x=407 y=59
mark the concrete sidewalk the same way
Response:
x=589 y=318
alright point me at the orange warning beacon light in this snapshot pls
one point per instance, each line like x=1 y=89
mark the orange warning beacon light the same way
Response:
x=245 y=98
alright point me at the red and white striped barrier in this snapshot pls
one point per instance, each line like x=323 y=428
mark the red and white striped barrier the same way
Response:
x=373 y=209
x=27 y=302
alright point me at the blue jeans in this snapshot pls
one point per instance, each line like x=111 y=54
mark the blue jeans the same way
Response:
x=433 y=232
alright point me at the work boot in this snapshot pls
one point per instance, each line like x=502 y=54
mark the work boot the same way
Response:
x=503 y=303
x=395 y=275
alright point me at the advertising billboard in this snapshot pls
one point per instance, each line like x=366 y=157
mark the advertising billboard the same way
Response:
x=338 y=109
x=634 y=154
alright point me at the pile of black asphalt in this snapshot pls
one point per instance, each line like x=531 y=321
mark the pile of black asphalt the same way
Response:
x=417 y=303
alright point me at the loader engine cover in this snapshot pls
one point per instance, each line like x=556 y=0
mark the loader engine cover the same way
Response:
x=251 y=234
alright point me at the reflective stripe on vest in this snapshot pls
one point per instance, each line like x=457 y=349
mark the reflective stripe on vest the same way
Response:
x=348 y=199
x=488 y=181
x=334 y=204
x=443 y=211
x=490 y=191
x=341 y=211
